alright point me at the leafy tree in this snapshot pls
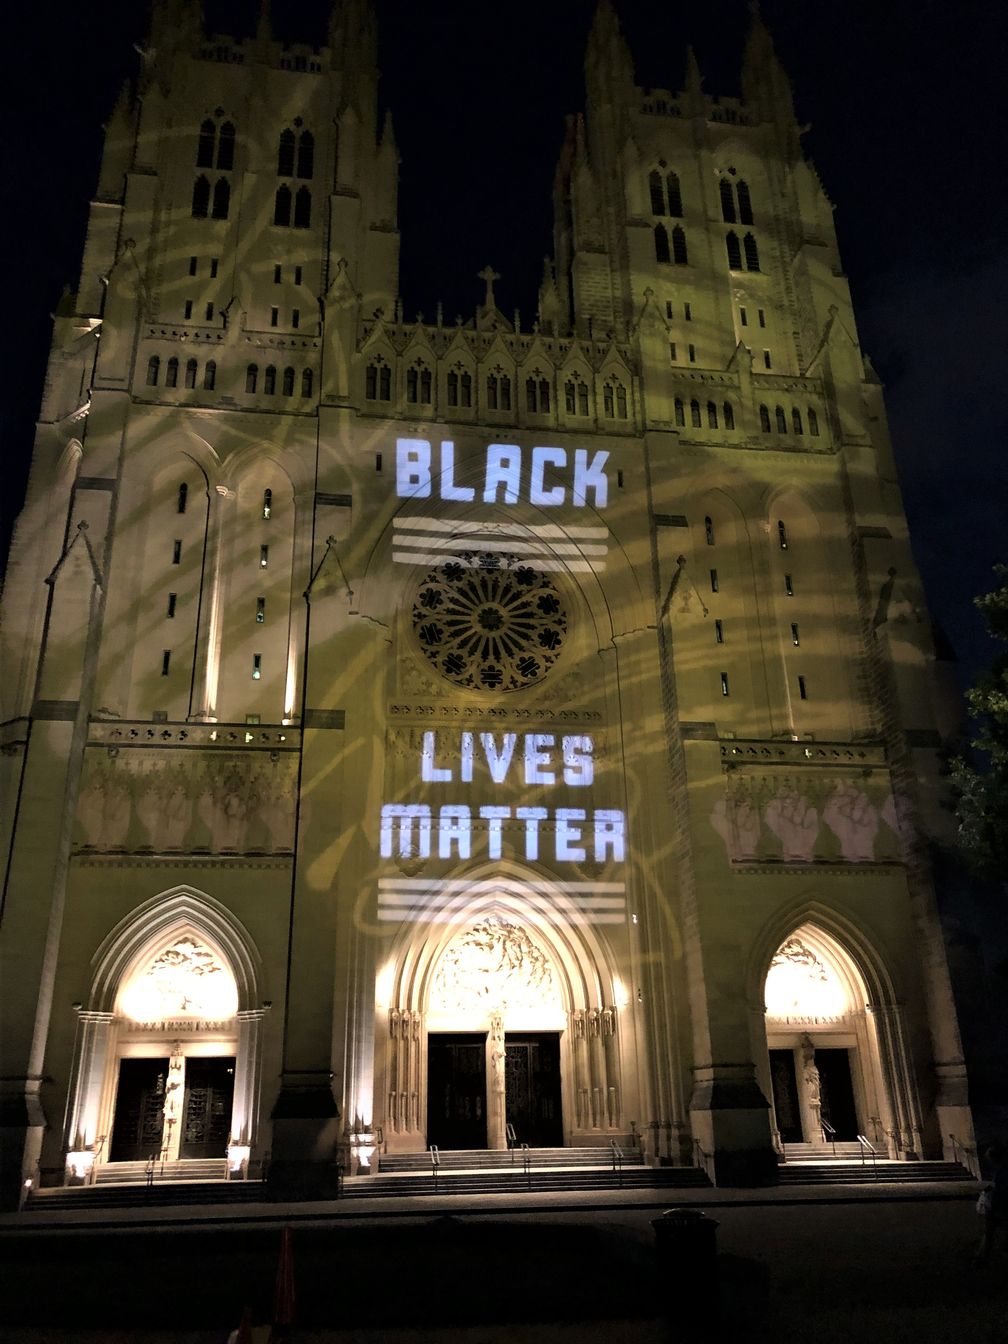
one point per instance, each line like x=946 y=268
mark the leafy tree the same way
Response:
x=982 y=788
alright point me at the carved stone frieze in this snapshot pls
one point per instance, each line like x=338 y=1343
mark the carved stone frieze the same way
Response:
x=217 y=802
x=809 y=816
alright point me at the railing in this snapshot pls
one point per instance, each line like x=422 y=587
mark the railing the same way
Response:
x=380 y=1139
x=867 y=1150
x=779 y=1148
x=970 y=1159
x=435 y=1162
x=526 y=1154
x=617 y=1160
x=829 y=1133
x=511 y=1139
x=701 y=1158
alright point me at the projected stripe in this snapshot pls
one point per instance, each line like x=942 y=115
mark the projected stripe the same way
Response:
x=428 y=541
x=421 y=900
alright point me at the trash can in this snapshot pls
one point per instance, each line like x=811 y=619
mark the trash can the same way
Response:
x=686 y=1244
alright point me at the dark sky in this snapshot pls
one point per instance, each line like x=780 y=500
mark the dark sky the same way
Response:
x=904 y=101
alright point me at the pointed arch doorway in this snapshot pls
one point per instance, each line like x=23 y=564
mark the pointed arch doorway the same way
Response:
x=167 y=1056
x=502 y=1014
x=826 y=1081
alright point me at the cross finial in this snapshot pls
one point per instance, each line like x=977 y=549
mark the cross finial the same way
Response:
x=489 y=275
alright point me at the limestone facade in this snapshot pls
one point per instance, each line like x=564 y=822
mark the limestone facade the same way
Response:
x=413 y=730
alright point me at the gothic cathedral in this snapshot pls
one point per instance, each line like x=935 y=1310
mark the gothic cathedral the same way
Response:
x=462 y=733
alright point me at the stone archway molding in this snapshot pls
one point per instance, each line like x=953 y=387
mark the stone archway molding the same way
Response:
x=180 y=910
x=900 y=1099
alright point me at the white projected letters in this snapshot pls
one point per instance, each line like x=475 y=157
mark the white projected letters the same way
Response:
x=536 y=760
x=418 y=476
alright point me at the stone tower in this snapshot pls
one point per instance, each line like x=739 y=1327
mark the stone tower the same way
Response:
x=425 y=729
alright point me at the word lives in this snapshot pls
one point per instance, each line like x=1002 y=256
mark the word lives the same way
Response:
x=533 y=760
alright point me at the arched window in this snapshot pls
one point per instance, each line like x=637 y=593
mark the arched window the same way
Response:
x=734 y=251
x=661 y=247
x=813 y=421
x=751 y=253
x=251 y=377
x=729 y=415
x=544 y=396
x=657 y=195
x=205 y=148
x=781 y=419
x=694 y=408
x=576 y=396
x=621 y=401
x=384 y=383
x=711 y=415
x=153 y=369
x=680 y=411
x=221 y=198
x=425 y=385
x=307 y=381
x=782 y=534
x=306 y=154
x=453 y=389
x=285 y=154
x=287 y=386
x=678 y=246
x=796 y=423
x=200 y=198
x=183 y=496
x=674 y=196
x=190 y=373
x=708 y=524
x=210 y=375
x=269 y=380
x=282 y=205
x=267 y=507
x=764 y=420
x=302 y=209
x=744 y=203
x=171 y=373
x=412 y=384
x=466 y=388
x=727 y=201
x=226 y=147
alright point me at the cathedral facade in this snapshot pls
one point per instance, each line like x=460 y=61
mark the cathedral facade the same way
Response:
x=451 y=733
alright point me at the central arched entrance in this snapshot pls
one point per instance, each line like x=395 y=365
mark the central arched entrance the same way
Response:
x=503 y=1024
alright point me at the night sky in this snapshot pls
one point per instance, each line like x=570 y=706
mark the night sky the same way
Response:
x=904 y=101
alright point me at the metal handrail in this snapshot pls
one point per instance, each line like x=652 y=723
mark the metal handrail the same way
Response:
x=829 y=1133
x=526 y=1153
x=617 y=1159
x=865 y=1145
x=969 y=1152
x=511 y=1139
x=701 y=1158
x=435 y=1161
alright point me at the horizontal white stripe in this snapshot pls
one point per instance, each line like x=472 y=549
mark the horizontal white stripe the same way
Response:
x=436 y=916
x=523 y=545
x=494 y=884
x=585 y=903
x=412 y=524
x=547 y=566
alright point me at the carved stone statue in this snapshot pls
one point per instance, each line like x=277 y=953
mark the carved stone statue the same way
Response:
x=497 y=1117
x=813 y=1089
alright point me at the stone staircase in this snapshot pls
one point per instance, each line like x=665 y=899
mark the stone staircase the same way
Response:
x=187 y=1169
x=401 y=1176
x=842 y=1164
x=482 y=1159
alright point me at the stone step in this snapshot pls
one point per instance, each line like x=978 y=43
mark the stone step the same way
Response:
x=186 y=1169
x=471 y=1159
x=854 y=1173
x=369 y=1187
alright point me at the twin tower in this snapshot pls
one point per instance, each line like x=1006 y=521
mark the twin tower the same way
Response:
x=416 y=730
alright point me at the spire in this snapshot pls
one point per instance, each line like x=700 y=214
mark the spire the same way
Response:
x=608 y=64
x=264 y=28
x=693 y=86
x=174 y=24
x=388 y=140
x=765 y=85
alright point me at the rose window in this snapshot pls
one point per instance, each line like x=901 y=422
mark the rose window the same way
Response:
x=489 y=622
